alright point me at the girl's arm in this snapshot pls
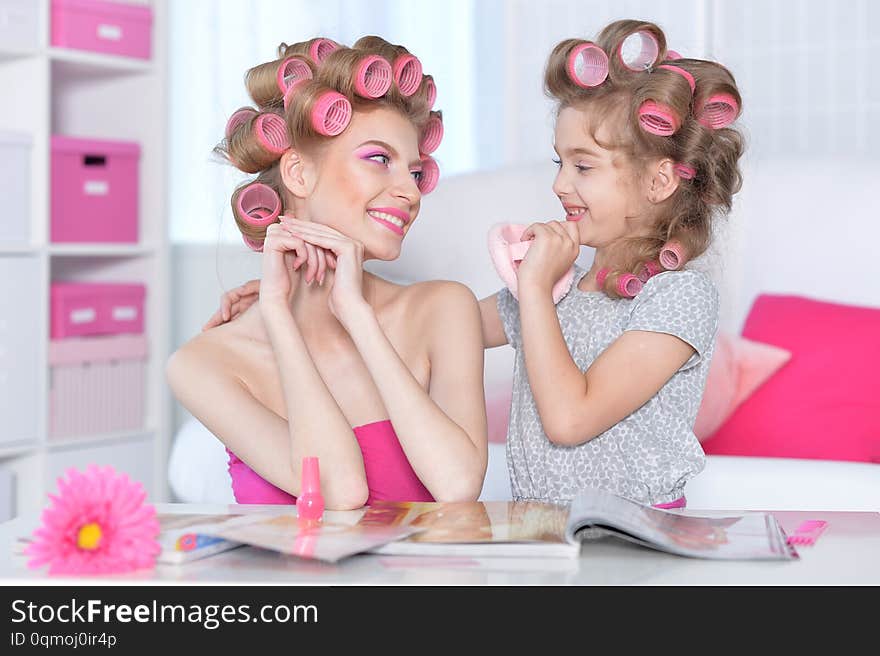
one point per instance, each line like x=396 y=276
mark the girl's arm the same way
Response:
x=442 y=431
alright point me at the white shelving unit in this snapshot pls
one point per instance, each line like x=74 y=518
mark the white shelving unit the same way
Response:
x=50 y=91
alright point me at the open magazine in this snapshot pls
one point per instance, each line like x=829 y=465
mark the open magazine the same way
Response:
x=183 y=538
x=532 y=528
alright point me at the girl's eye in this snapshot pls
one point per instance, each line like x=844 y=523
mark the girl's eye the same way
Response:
x=382 y=157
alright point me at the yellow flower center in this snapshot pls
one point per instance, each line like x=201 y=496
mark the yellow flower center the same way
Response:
x=89 y=537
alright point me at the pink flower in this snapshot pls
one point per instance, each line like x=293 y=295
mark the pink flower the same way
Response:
x=98 y=524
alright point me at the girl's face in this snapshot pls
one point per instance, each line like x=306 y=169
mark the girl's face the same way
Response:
x=596 y=186
x=363 y=183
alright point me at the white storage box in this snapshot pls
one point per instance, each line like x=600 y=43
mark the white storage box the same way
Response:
x=96 y=385
x=19 y=25
x=15 y=187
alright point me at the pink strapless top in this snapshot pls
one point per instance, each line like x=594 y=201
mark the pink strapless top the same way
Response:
x=389 y=474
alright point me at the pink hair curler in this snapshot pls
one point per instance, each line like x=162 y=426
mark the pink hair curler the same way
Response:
x=507 y=251
x=638 y=51
x=687 y=76
x=291 y=72
x=432 y=136
x=587 y=65
x=658 y=119
x=253 y=244
x=628 y=285
x=601 y=275
x=320 y=48
x=432 y=92
x=649 y=270
x=258 y=205
x=672 y=55
x=373 y=77
x=239 y=118
x=407 y=74
x=310 y=503
x=685 y=171
x=430 y=175
x=672 y=256
x=271 y=131
x=331 y=113
x=718 y=111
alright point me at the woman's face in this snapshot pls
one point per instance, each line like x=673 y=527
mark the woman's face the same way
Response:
x=364 y=182
x=596 y=186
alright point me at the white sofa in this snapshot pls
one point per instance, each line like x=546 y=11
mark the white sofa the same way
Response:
x=772 y=211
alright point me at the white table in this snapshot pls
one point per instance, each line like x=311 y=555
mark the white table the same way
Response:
x=847 y=553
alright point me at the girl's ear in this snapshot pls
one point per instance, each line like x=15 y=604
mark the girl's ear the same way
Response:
x=297 y=173
x=664 y=181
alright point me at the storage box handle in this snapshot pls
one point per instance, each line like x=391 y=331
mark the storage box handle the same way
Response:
x=94 y=160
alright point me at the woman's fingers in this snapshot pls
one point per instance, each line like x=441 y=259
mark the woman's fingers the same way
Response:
x=322 y=265
x=312 y=264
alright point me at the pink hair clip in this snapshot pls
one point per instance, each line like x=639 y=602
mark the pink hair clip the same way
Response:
x=432 y=136
x=271 y=132
x=430 y=175
x=258 y=205
x=331 y=113
x=638 y=51
x=432 y=92
x=649 y=270
x=253 y=244
x=672 y=256
x=718 y=111
x=685 y=172
x=373 y=77
x=808 y=532
x=239 y=118
x=587 y=65
x=291 y=72
x=407 y=74
x=687 y=76
x=658 y=119
x=320 y=48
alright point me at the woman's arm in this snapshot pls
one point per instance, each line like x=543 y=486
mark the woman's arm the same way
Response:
x=493 y=329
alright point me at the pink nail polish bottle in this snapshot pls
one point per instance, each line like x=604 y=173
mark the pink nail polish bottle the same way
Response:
x=310 y=503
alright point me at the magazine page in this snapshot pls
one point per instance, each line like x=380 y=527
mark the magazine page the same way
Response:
x=325 y=540
x=752 y=536
x=183 y=537
x=490 y=528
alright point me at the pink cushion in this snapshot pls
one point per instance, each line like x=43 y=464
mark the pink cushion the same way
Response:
x=507 y=251
x=824 y=404
x=739 y=367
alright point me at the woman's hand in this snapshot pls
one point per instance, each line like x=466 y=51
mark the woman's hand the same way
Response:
x=554 y=249
x=346 y=295
x=284 y=252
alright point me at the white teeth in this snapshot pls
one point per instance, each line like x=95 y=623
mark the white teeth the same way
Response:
x=576 y=211
x=387 y=217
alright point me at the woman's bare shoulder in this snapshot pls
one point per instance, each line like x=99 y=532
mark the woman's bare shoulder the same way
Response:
x=222 y=351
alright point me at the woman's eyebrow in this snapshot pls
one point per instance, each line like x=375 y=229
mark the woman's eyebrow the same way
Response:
x=391 y=150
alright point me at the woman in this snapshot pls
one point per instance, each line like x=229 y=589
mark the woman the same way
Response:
x=333 y=361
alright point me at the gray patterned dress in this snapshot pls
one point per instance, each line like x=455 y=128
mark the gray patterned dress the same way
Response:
x=650 y=454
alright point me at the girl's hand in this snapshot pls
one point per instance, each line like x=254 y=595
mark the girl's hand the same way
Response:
x=234 y=302
x=347 y=295
x=554 y=249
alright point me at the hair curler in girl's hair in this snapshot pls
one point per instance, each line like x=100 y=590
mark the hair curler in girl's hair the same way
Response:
x=430 y=175
x=291 y=72
x=372 y=79
x=432 y=135
x=638 y=51
x=628 y=286
x=320 y=48
x=672 y=255
x=431 y=91
x=658 y=119
x=649 y=270
x=331 y=113
x=239 y=117
x=587 y=65
x=257 y=205
x=253 y=244
x=718 y=111
x=685 y=171
x=407 y=74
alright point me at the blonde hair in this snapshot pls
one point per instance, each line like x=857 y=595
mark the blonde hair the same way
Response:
x=320 y=66
x=713 y=153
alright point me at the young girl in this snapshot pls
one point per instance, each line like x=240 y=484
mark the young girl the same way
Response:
x=608 y=381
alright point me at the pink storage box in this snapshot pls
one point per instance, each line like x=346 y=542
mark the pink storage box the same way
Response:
x=94 y=190
x=114 y=28
x=96 y=385
x=96 y=309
